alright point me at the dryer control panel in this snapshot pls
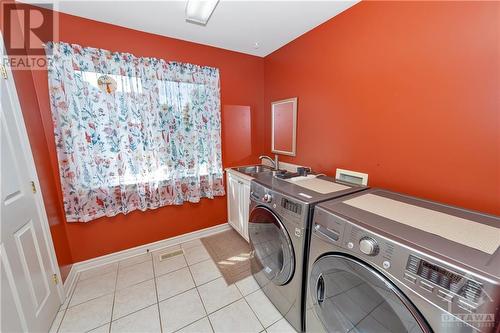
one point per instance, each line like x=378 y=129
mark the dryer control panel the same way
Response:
x=458 y=292
x=453 y=291
x=444 y=278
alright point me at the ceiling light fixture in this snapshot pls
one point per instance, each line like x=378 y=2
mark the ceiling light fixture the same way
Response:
x=199 y=11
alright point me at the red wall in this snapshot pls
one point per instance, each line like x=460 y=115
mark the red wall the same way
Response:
x=241 y=84
x=237 y=127
x=407 y=92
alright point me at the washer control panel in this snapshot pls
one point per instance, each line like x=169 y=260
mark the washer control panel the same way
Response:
x=289 y=209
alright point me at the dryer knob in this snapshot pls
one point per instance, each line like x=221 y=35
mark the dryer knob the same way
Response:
x=368 y=246
x=267 y=198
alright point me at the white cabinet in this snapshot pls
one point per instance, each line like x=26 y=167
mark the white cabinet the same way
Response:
x=238 y=201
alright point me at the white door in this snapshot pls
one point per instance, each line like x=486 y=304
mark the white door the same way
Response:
x=244 y=208
x=233 y=201
x=30 y=296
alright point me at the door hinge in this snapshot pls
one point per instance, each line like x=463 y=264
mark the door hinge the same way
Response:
x=33 y=187
x=55 y=278
x=3 y=71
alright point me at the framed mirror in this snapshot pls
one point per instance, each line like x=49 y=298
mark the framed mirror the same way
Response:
x=284 y=126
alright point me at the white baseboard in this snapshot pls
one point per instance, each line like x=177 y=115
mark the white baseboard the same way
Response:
x=70 y=281
x=134 y=251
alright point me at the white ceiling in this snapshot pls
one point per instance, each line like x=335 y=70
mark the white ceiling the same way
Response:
x=234 y=25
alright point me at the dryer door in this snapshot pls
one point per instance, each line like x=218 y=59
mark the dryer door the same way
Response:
x=271 y=246
x=350 y=296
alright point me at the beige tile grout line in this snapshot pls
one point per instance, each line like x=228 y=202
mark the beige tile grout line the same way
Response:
x=116 y=289
x=274 y=322
x=201 y=299
x=255 y=314
x=135 y=311
x=225 y=306
x=183 y=327
x=69 y=301
x=245 y=298
x=114 y=297
x=60 y=323
x=72 y=293
x=237 y=288
x=91 y=299
x=156 y=291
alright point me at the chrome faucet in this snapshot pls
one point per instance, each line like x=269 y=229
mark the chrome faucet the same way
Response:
x=274 y=163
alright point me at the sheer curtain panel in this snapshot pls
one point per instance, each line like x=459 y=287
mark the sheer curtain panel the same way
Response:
x=133 y=133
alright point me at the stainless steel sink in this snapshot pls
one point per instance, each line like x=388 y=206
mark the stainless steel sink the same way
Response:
x=253 y=169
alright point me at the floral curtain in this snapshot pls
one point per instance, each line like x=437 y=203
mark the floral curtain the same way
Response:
x=132 y=133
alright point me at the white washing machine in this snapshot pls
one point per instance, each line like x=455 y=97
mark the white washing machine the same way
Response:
x=384 y=262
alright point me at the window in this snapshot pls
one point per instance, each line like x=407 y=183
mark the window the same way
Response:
x=133 y=133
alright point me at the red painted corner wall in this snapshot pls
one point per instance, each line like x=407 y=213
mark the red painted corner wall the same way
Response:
x=407 y=92
x=242 y=95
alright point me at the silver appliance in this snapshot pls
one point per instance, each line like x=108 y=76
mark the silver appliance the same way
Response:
x=371 y=273
x=279 y=223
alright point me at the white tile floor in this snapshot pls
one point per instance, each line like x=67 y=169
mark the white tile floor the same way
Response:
x=184 y=293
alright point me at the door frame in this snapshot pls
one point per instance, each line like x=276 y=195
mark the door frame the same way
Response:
x=26 y=151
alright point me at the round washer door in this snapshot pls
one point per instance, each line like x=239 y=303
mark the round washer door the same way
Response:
x=350 y=296
x=271 y=245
